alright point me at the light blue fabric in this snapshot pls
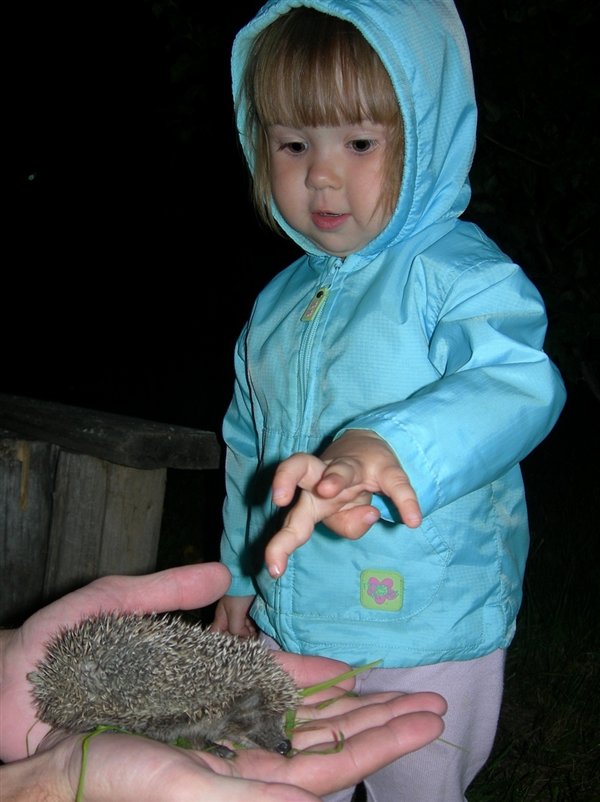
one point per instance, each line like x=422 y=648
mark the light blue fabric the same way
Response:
x=431 y=337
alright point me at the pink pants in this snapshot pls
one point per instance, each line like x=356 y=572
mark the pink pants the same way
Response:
x=439 y=772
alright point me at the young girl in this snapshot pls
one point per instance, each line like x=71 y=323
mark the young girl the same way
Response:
x=388 y=382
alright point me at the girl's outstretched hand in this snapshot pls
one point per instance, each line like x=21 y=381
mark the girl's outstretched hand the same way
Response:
x=337 y=488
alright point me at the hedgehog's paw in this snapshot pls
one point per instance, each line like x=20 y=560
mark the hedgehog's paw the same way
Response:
x=220 y=750
x=203 y=744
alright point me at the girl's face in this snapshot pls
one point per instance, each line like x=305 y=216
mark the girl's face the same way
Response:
x=327 y=182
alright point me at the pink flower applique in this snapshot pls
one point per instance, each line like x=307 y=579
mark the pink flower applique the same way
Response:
x=381 y=590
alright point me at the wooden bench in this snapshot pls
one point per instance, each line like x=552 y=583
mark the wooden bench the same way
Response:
x=81 y=496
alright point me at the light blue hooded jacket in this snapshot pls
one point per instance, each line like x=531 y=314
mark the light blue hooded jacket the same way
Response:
x=432 y=338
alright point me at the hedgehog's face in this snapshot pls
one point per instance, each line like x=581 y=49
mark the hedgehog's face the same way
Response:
x=251 y=722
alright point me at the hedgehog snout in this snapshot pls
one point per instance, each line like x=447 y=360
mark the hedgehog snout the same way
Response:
x=283 y=747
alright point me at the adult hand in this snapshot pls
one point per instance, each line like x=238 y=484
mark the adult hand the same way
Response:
x=377 y=728
x=337 y=488
x=185 y=588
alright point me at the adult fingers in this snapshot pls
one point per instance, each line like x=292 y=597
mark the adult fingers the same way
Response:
x=309 y=670
x=182 y=588
x=350 y=715
x=331 y=765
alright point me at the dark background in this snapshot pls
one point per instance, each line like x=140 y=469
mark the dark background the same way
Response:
x=132 y=253
x=131 y=258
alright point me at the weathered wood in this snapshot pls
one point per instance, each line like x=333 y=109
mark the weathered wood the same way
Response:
x=26 y=483
x=106 y=520
x=120 y=439
x=82 y=495
x=66 y=519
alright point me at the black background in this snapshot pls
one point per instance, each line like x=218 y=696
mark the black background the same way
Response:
x=132 y=253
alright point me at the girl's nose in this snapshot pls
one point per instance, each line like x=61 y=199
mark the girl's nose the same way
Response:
x=323 y=173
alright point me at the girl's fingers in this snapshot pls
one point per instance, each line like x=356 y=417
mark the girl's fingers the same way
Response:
x=299 y=470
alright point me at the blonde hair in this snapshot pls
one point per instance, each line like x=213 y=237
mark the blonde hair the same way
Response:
x=313 y=69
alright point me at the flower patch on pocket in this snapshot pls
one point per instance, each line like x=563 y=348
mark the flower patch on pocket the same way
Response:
x=381 y=590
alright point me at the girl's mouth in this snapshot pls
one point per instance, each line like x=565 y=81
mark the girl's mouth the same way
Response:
x=328 y=221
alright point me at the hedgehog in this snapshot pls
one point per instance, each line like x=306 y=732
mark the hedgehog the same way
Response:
x=165 y=677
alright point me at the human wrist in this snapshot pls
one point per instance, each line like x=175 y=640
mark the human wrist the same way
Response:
x=34 y=779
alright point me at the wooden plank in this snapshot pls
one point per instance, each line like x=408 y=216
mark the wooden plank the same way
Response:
x=132 y=520
x=76 y=529
x=119 y=439
x=26 y=482
x=106 y=519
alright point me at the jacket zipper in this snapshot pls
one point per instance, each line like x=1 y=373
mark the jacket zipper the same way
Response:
x=311 y=316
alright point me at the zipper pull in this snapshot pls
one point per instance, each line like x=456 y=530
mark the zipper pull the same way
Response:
x=317 y=302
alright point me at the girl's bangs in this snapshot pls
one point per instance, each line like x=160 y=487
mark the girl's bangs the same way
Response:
x=312 y=98
x=313 y=78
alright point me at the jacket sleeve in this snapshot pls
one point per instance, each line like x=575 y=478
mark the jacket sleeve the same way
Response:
x=498 y=394
x=240 y=466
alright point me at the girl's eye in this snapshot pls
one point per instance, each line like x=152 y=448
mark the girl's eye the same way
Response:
x=294 y=147
x=362 y=145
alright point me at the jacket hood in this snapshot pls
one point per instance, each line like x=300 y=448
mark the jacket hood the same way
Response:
x=423 y=46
